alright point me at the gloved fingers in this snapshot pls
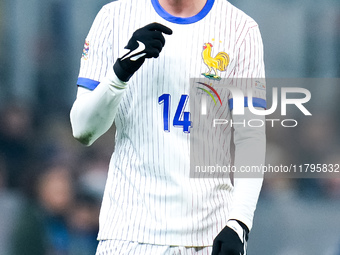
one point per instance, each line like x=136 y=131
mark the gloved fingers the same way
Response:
x=216 y=247
x=146 y=42
x=132 y=45
x=149 y=36
x=158 y=36
x=159 y=27
x=156 y=45
x=228 y=242
x=227 y=250
x=152 y=53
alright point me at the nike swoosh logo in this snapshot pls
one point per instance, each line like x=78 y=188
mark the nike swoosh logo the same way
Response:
x=139 y=49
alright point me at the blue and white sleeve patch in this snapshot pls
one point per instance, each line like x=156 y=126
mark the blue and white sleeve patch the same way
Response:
x=257 y=102
x=87 y=83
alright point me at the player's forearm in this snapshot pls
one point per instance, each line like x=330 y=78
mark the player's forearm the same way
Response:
x=250 y=144
x=245 y=199
x=93 y=112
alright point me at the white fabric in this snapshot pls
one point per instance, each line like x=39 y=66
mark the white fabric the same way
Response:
x=110 y=247
x=93 y=112
x=250 y=150
x=149 y=197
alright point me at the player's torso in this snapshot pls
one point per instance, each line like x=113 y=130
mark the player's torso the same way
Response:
x=190 y=52
x=149 y=172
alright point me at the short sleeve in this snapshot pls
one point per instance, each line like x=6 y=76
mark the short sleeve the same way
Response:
x=250 y=69
x=97 y=53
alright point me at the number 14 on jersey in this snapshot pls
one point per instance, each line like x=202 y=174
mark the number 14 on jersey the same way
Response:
x=181 y=118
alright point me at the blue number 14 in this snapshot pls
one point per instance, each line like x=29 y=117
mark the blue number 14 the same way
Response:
x=181 y=118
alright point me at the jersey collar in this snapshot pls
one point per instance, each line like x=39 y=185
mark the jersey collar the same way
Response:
x=165 y=15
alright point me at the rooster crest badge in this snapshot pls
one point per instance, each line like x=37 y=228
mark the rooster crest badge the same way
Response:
x=220 y=62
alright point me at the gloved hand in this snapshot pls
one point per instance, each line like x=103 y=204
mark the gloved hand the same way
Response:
x=146 y=42
x=232 y=240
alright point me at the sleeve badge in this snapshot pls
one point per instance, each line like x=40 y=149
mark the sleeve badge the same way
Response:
x=85 y=54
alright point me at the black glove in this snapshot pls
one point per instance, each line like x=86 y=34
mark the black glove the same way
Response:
x=229 y=242
x=146 y=42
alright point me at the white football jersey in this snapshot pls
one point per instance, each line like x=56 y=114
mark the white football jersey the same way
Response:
x=149 y=195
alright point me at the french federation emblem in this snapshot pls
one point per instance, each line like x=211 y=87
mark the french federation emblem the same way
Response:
x=218 y=63
x=85 y=54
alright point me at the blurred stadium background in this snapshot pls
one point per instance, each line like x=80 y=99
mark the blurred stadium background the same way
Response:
x=51 y=186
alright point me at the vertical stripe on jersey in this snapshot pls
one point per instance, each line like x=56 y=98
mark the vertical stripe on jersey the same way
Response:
x=149 y=196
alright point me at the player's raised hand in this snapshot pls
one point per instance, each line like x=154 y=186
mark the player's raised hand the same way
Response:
x=232 y=240
x=146 y=42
